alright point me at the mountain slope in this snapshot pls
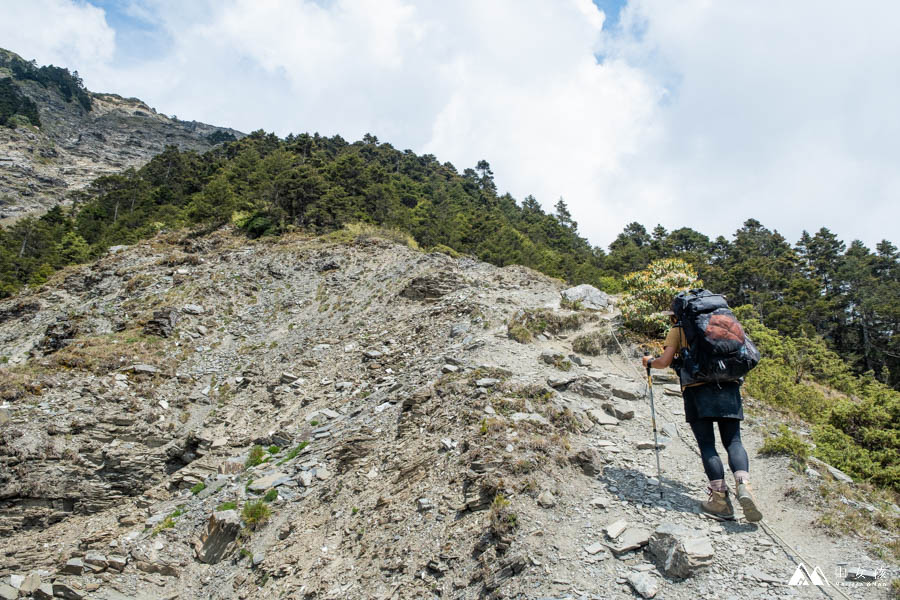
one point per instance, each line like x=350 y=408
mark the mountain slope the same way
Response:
x=78 y=136
x=416 y=450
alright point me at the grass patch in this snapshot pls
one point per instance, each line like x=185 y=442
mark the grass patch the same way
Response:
x=595 y=343
x=273 y=449
x=270 y=495
x=257 y=456
x=363 y=232
x=864 y=511
x=503 y=520
x=169 y=521
x=525 y=324
x=229 y=505
x=255 y=514
x=106 y=353
x=198 y=488
x=293 y=453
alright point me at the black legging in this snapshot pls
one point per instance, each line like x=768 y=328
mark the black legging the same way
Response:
x=730 y=432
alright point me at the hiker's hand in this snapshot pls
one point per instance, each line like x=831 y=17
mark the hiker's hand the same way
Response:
x=645 y=360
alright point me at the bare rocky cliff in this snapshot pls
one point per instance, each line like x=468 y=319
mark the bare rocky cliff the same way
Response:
x=315 y=418
x=39 y=166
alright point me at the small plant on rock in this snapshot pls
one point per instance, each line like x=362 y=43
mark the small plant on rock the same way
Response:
x=255 y=514
x=229 y=505
x=256 y=456
x=198 y=488
x=293 y=453
x=271 y=495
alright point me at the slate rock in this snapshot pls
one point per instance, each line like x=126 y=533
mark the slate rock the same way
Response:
x=601 y=417
x=590 y=387
x=632 y=539
x=8 y=592
x=74 y=566
x=546 y=499
x=588 y=460
x=459 y=329
x=163 y=323
x=615 y=529
x=644 y=584
x=834 y=471
x=193 y=309
x=560 y=382
x=628 y=390
x=218 y=539
x=31 y=583
x=43 y=592
x=96 y=561
x=487 y=382
x=61 y=590
x=117 y=562
x=620 y=412
x=680 y=550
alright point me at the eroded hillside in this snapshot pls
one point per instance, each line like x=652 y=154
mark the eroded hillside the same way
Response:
x=73 y=146
x=311 y=418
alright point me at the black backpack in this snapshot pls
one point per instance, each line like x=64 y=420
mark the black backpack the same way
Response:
x=717 y=350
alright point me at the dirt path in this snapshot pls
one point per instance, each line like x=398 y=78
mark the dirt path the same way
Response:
x=749 y=562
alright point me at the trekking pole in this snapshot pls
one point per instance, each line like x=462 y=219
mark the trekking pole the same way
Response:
x=653 y=420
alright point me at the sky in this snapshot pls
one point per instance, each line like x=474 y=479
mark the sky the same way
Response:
x=697 y=113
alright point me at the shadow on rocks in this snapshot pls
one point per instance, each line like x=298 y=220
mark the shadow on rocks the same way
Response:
x=635 y=487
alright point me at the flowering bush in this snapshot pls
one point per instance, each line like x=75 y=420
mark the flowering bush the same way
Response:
x=650 y=291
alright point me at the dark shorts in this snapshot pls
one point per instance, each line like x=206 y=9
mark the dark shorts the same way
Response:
x=713 y=401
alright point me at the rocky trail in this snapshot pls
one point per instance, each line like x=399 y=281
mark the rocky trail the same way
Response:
x=311 y=418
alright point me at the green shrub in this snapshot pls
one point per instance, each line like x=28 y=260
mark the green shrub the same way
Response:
x=650 y=291
x=273 y=449
x=270 y=495
x=229 y=505
x=611 y=285
x=256 y=456
x=255 y=514
x=786 y=443
x=293 y=453
x=198 y=488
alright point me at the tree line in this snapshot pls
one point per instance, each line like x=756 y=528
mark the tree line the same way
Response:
x=847 y=295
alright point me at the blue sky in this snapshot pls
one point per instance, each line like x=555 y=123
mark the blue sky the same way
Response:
x=783 y=112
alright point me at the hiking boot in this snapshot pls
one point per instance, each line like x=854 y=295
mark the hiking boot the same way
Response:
x=718 y=506
x=748 y=502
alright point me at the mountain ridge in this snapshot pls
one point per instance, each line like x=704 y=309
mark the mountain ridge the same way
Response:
x=80 y=138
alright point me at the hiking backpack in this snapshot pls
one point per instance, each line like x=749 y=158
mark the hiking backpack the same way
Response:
x=717 y=350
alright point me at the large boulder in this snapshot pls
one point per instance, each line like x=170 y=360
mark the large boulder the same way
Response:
x=587 y=296
x=218 y=539
x=680 y=550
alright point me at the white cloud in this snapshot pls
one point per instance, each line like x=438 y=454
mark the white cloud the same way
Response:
x=782 y=111
x=57 y=32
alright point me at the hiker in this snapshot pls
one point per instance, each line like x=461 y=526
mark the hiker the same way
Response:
x=706 y=404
